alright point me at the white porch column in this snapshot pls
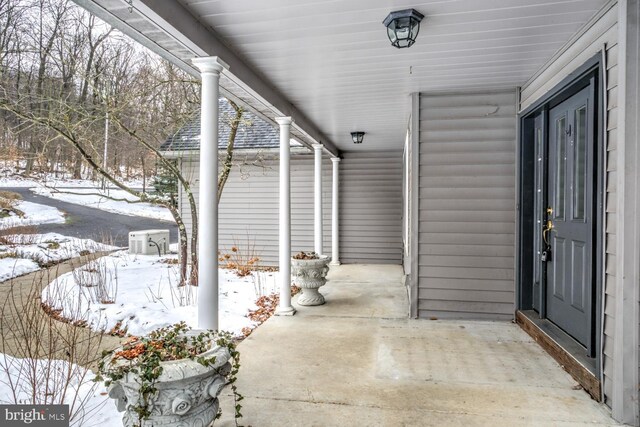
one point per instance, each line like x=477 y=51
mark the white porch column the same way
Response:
x=317 y=204
x=285 y=308
x=335 y=242
x=210 y=68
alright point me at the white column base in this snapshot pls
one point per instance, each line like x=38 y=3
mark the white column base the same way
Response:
x=334 y=263
x=286 y=311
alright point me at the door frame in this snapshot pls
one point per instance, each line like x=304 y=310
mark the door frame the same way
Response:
x=575 y=81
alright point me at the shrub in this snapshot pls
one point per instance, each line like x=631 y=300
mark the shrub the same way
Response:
x=21 y=235
x=98 y=281
x=9 y=195
x=8 y=201
x=52 y=245
x=243 y=258
x=43 y=361
x=9 y=254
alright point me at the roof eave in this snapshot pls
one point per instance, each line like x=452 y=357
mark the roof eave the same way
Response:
x=257 y=94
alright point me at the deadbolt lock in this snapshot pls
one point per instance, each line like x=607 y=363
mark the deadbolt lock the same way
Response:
x=549 y=211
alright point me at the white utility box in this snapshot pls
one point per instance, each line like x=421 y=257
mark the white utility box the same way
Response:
x=149 y=242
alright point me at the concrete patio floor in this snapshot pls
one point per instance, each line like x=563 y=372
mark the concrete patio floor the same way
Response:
x=358 y=361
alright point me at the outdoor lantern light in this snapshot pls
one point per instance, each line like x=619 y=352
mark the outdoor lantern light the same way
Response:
x=357 y=137
x=403 y=26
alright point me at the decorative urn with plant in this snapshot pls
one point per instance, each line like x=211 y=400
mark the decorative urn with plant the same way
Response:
x=172 y=377
x=309 y=271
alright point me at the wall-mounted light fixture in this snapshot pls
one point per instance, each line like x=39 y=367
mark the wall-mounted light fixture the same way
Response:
x=403 y=27
x=357 y=137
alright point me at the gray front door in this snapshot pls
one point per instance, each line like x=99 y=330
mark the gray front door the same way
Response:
x=568 y=219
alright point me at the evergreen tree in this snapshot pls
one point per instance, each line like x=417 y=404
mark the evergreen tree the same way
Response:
x=165 y=183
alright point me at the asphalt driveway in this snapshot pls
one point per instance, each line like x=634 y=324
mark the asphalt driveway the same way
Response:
x=91 y=223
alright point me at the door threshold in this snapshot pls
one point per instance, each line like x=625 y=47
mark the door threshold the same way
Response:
x=564 y=349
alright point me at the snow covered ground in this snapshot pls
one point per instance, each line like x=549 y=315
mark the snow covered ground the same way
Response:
x=59 y=187
x=10 y=180
x=96 y=198
x=139 y=293
x=88 y=400
x=12 y=177
x=14 y=267
x=34 y=214
x=25 y=253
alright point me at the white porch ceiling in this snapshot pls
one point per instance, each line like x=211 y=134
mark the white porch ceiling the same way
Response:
x=332 y=61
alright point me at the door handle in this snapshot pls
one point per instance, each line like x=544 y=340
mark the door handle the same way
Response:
x=546 y=230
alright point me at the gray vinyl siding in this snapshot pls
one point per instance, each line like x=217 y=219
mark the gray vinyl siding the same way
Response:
x=467 y=205
x=603 y=32
x=248 y=209
x=371 y=207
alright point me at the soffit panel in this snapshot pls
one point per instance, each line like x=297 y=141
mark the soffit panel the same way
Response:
x=332 y=60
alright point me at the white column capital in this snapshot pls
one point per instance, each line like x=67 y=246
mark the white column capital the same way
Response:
x=284 y=121
x=335 y=159
x=317 y=147
x=210 y=64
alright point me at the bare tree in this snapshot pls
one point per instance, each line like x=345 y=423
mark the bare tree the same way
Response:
x=59 y=83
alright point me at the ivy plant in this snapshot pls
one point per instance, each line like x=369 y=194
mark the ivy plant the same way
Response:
x=145 y=355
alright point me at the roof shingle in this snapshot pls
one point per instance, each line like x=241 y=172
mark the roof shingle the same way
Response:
x=253 y=132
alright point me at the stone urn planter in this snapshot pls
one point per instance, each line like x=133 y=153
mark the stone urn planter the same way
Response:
x=185 y=394
x=309 y=271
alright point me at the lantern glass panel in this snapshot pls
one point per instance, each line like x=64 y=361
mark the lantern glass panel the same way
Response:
x=415 y=28
x=392 y=34
x=403 y=27
x=403 y=43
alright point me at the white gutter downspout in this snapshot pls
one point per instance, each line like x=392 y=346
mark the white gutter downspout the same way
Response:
x=210 y=68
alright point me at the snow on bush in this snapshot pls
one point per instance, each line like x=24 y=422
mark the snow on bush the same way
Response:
x=46 y=381
x=24 y=253
x=148 y=296
x=34 y=214
x=13 y=267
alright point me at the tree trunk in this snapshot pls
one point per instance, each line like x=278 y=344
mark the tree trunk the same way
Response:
x=228 y=159
x=144 y=175
x=77 y=167
x=182 y=233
